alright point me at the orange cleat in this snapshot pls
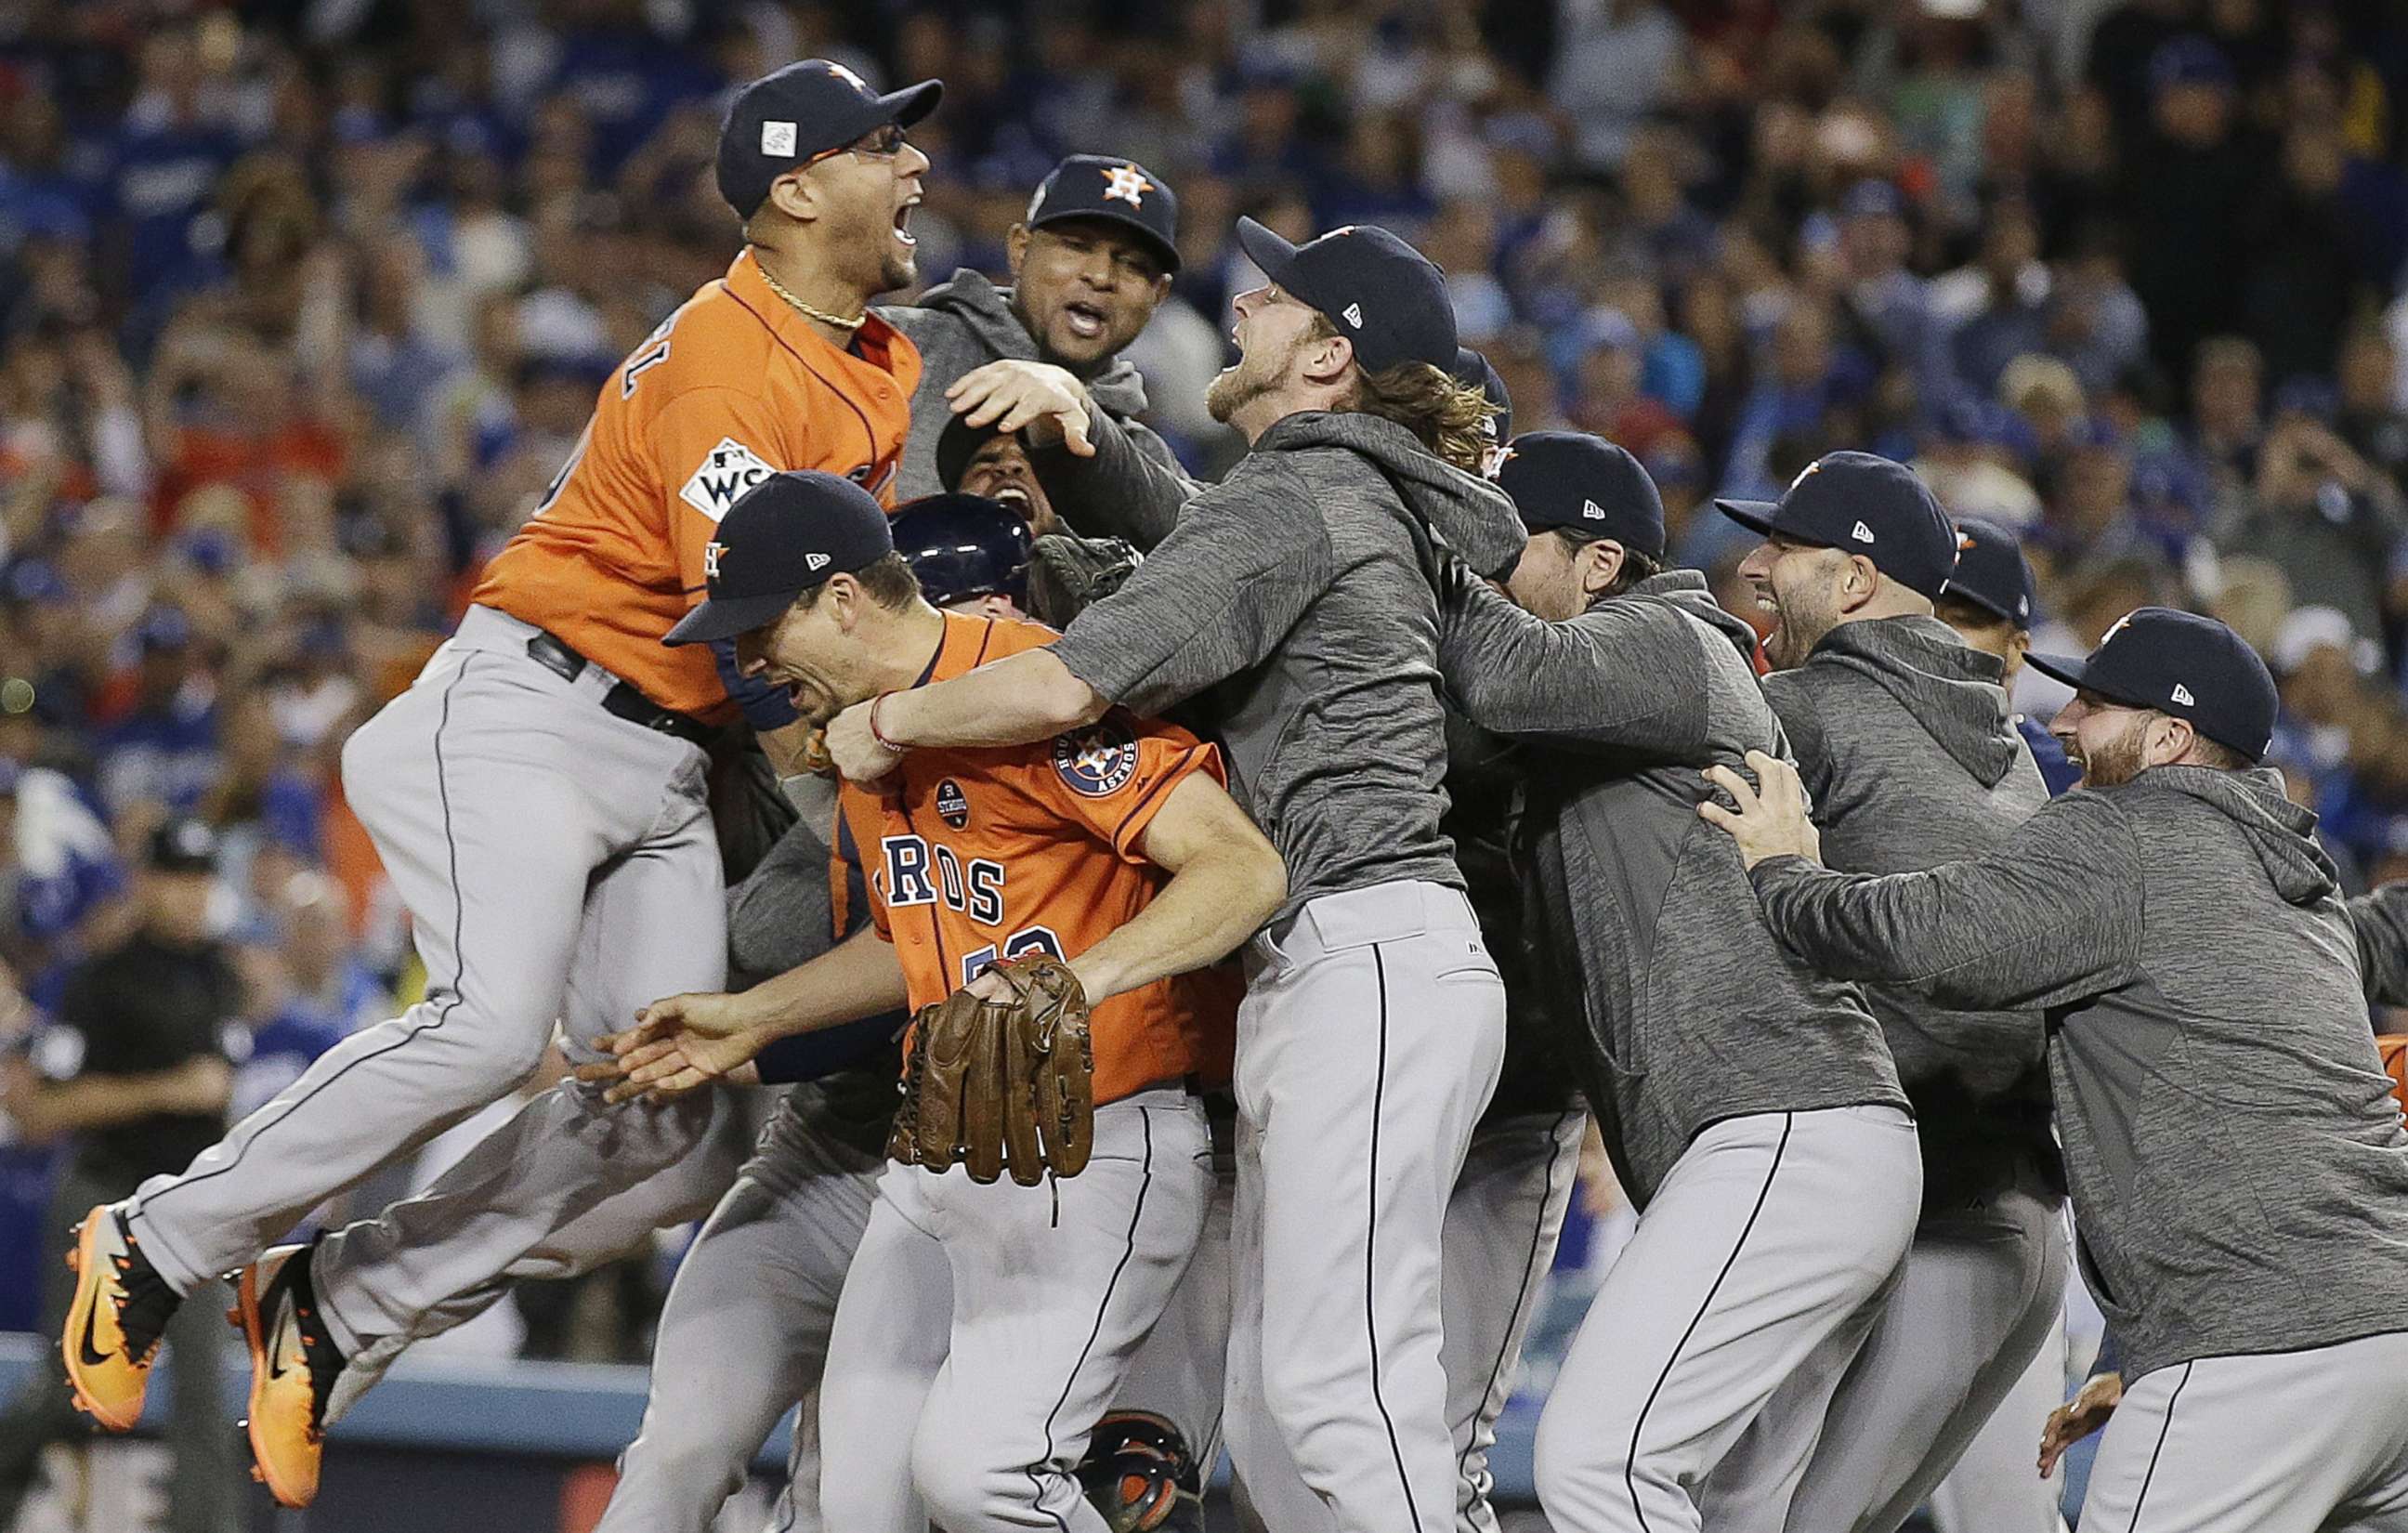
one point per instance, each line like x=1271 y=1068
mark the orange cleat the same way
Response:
x=293 y=1367
x=122 y=1305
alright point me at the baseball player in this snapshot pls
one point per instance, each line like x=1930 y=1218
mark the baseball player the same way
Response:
x=1091 y=261
x=2238 y=1172
x=1748 y=1104
x=1373 y=1024
x=538 y=798
x=983 y=1328
x=1989 y=602
x=1902 y=736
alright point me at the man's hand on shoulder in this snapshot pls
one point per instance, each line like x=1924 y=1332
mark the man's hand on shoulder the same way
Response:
x=1035 y=397
x=1768 y=817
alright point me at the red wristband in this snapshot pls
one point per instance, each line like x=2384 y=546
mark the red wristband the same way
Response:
x=877 y=734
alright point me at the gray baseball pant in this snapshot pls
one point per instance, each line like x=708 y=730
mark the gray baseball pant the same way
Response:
x=558 y=865
x=1981 y=1291
x=1501 y=1228
x=983 y=1330
x=2272 y=1442
x=1996 y=1486
x=1755 y=1274
x=745 y=1332
x=1368 y=1042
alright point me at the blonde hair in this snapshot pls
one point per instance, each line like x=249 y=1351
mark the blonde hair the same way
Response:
x=1428 y=401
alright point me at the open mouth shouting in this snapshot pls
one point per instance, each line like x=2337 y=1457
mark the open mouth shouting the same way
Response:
x=1086 y=321
x=903 y=222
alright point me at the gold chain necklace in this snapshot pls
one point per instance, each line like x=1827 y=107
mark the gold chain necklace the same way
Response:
x=806 y=311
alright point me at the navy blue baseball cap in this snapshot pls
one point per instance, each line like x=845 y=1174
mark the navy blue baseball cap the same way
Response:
x=1863 y=504
x=1123 y=191
x=1991 y=571
x=789 y=117
x=1583 y=484
x=964 y=546
x=2183 y=665
x=784 y=536
x=1380 y=292
x=1474 y=371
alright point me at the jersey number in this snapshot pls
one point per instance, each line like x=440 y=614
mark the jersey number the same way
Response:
x=654 y=352
x=1027 y=940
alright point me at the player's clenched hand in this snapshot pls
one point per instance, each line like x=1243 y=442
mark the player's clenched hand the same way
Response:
x=853 y=746
x=2070 y=1422
x=1037 y=397
x=681 y=1043
x=1768 y=819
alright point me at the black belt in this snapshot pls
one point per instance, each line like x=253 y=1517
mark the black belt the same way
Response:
x=622 y=701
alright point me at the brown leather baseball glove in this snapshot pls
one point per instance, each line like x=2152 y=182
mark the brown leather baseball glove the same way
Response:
x=1006 y=1084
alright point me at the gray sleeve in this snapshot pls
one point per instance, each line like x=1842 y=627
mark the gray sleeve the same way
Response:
x=1620 y=675
x=2382 y=921
x=1213 y=599
x=2053 y=916
x=1132 y=488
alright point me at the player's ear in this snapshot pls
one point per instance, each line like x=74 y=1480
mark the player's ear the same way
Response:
x=1600 y=562
x=1325 y=361
x=1016 y=248
x=1858 y=583
x=795 y=197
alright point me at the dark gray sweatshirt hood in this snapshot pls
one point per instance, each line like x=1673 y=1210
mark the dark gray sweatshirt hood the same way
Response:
x=1954 y=691
x=986 y=309
x=1469 y=515
x=2280 y=833
x=1686 y=588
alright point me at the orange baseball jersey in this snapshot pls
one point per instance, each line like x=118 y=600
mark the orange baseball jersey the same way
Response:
x=733 y=387
x=979 y=855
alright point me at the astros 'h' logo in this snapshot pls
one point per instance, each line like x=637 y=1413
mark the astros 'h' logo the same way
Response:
x=1127 y=184
x=711 y=554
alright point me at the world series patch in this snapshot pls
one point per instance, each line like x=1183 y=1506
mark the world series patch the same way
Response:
x=1099 y=759
x=953 y=805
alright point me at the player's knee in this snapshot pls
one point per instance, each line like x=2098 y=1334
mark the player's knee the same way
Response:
x=962 y=1492
x=1571 y=1457
x=685 y=1461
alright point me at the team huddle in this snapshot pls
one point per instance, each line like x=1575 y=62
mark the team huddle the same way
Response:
x=1365 y=829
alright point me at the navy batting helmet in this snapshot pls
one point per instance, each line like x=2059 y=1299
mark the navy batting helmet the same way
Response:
x=964 y=546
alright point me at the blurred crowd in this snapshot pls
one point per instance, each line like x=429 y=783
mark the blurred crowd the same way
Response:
x=304 y=301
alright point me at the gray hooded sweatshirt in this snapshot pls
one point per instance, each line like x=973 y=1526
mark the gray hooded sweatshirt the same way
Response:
x=2381 y=919
x=1303 y=580
x=967 y=322
x=1674 y=1001
x=2240 y=1176
x=1911 y=755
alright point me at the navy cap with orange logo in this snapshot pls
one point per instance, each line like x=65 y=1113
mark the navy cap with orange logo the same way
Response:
x=784 y=536
x=2181 y=663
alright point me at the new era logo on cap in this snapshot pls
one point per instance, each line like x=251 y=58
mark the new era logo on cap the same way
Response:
x=778 y=139
x=2181 y=696
x=712 y=553
x=816 y=561
x=1861 y=533
x=1353 y=313
x=1592 y=510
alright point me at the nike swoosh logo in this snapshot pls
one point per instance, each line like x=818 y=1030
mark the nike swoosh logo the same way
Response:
x=93 y=1357
x=276 y=1342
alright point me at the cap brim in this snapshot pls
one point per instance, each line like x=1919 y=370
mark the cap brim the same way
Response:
x=2073 y=670
x=909 y=105
x=1161 y=247
x=1274 y=255
x=1754 y=515
x=725 y=617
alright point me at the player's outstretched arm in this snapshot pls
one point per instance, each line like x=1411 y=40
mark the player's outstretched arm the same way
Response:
x=1225 y=882
x=681 y=1042
x=1023 y=697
